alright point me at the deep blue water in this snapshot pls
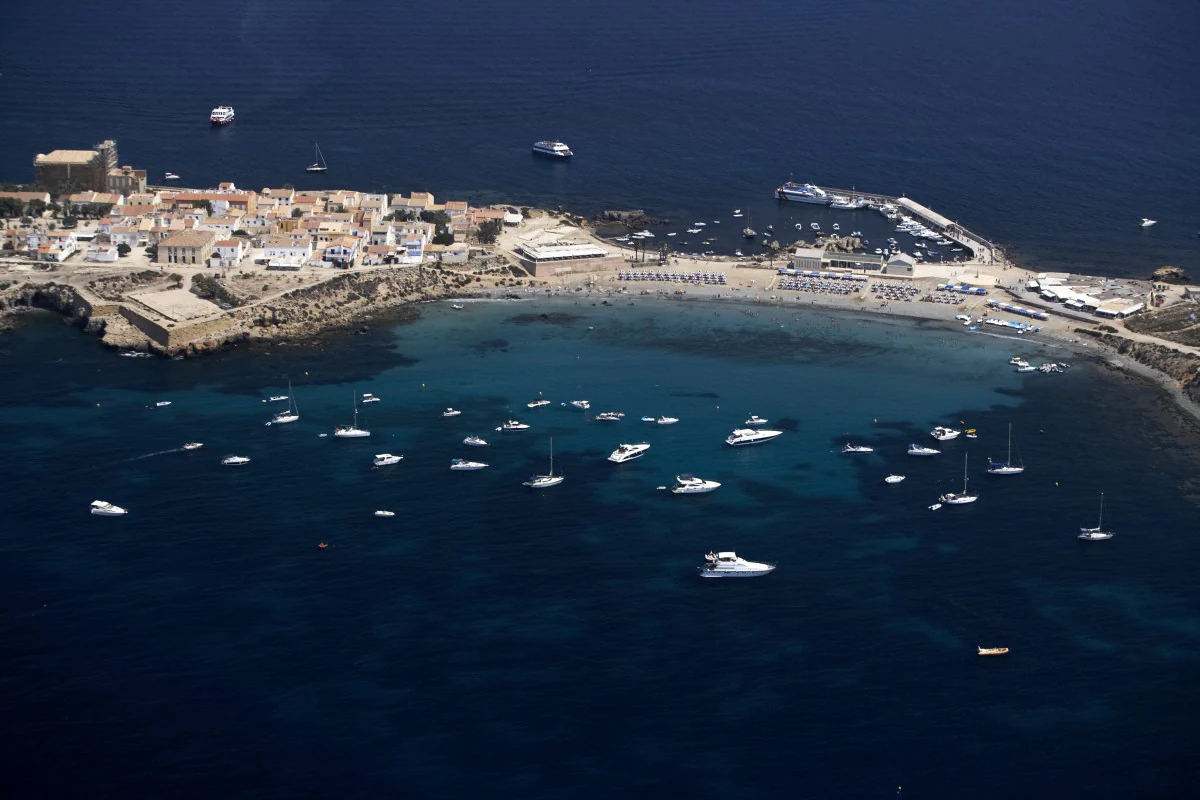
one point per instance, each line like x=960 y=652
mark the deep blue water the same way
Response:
x=1050 y=127
x=490 y=641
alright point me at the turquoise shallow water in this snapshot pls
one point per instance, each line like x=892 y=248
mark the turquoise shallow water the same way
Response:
x=490 y=640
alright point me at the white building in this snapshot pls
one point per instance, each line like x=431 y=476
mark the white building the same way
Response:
x=103 y=253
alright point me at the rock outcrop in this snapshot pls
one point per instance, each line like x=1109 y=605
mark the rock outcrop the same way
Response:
x=1183 y=368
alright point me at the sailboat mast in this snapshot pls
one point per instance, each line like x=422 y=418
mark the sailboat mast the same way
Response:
x=1008 y=461
x=1100 y=524
x=964 y=473
x=551 y=455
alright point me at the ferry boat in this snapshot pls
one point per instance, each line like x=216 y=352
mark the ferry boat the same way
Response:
x=103 y=509
x=730 y=565
x=221 y=115
x=628 y=452
x=552 y=149
x=802 y=193
x=744 y=436
x=992 y=651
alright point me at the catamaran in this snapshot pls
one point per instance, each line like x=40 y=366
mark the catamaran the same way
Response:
x=319 y=165
x=550 y=479
x=1006 y=467
x=1097 y=533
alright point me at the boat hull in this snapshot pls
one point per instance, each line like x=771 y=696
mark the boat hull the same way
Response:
x=351 y=434
x=104 y=512
x=765 y=569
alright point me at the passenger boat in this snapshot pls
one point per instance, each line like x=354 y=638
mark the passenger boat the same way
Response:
x=1147 y=222
x=162 y=404
x=221 y=115
x=666 y=420
x=552 y=149
x=729 y=565
x=583 y=405
x=386 y=459
x=103 y=509
x=857 y=448
x=745 y=436
x=275 y=398
x=1097 y=533
x=992 y=651
x=170 y=176
x=628 y=452
x=802 y=193
x=369 y=398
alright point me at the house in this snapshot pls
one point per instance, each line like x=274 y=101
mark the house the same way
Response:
x=26 y=198
x=58 y=246
x=80 y=199
x=186 y=247
x=375 y=254
x=126 y=181
x=342 y=252
x=123 y=234
x=286 y=252
x=383 y=234
x=456 y=208
x=224 y=225
x=104 y=253
x=227 y=253
x=456 y=253
x=418 y=202
x=512 y=220
x=282 y=197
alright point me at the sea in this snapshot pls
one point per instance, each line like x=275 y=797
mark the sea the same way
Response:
x=493 y=641
x=1050 y=128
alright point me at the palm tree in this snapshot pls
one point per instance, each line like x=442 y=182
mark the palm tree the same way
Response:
x=664 y=250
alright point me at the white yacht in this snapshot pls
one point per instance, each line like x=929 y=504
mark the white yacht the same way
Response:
x=291 y=414
x=547 y=480
x=755 y=419
x=744 y=436
x=170 y=176
x=730 y=565
x=666 y=420
x=918 y=450
x=1095 y=534
x=462 y=465
x=690 y=484
x=351 y=431
x=581 y=404
x=511 y=425
x=857 y=448
x=382 y=513
x=628 y=452
x=103 y=509
x=276 y=398
x=451 y=412
x=235 y=461
x=162 y=404
x=1006 y=467
x=552 y=149
x=193 y=445
x=386 y=459
x=475 y=441
x=1146 y=222
x=537 y=403
x=221 y=115
x=959 y=498
x=369 y=398
x=802 y=193
x=944 y=434
x=893 y=479
x=609 y=416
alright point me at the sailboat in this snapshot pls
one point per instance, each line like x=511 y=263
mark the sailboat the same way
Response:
x=351 y=431
x=1097 y=533
x=1006 y=467
x=960 y=498
x=319 y=165
x=291 y=414
x=544 y=481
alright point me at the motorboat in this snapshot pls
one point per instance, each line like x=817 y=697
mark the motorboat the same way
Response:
x=744 y=436
x=960 y=498
x=291 y=414
x=370 y=398
x=475 y=441
x=235 y=461
x=1097 y=533
x=547 y=480
x=103 y=509
x=583 y=405
x=857 y=448
x=552 y=148
x=893 y=479
x=1006 y=467
x=1027 y=368
x=943 y=434
x=690 y=484
x=666 y=420
x=972 y=433
x=730 y=565
x=755 y=419
x=802 y=193
x=193 y=445
x=352 y=431
x=539 y=403
x=221 y=115
x=1146 y=222
x=275 y=398
x=386 y=459
x=462 y=465
x=170 y=176
x=511 y=425
x=609 y=416
x=935 y=506
x=457 y=306
x=162 y=404
x=919 y=450
x=628 y=452
x=382 y=513
x=992 y=651
x=451 y=412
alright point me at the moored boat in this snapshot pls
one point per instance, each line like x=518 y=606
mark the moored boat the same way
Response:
x=744 y=436
x=920 y=450
x=857 y=448
x=102 y=509
x=475 y=441
x=728 y=564
x=462 y=465
x=991 y=651
x=511 y=425
x=386 y=459
x=628 y=452
x=235 y=461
